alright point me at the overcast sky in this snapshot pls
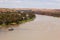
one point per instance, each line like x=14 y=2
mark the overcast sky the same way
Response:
x=29 y=3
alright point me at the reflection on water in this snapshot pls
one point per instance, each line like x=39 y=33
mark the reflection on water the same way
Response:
x=6 y=27
x=42 y=28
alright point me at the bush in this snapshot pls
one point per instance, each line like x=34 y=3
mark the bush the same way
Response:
x=15 y=17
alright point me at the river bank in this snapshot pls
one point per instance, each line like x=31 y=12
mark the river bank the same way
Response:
x=42 y=28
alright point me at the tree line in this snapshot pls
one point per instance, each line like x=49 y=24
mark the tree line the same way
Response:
x=15 y=17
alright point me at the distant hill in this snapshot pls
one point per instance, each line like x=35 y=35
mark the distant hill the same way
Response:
x=33 y=9
x=50 y=12
x=40 y=11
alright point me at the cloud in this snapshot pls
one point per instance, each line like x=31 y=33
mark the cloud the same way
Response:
x=31 y=3
x=41 y=4
x=3 y=0
x=10 y=1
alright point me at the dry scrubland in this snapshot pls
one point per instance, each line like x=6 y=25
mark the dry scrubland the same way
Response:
x=49 y=12
x=11 y=15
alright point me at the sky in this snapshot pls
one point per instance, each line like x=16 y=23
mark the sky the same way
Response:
x=55 y=4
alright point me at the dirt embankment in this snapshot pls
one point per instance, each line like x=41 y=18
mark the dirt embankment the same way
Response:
x=49 y=12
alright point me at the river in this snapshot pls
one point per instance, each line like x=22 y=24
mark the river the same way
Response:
x=42 y=28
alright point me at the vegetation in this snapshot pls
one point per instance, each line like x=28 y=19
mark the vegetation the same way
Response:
x=8 y=18
x=54 y=13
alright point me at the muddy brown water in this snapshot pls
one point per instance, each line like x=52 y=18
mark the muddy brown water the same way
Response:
x=42 y=28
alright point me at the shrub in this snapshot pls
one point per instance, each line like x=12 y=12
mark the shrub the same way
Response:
x=14 y=17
